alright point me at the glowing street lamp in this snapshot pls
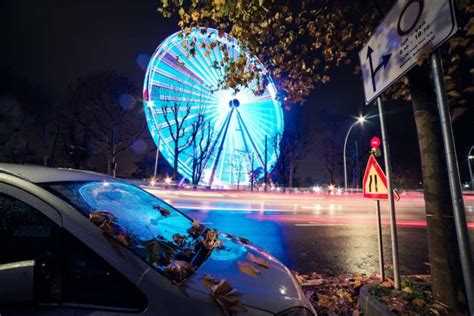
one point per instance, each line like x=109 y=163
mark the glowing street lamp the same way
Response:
x=167 y=180
x=360 y=120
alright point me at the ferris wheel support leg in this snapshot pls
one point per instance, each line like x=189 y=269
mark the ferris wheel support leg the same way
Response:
x=241 y=121
x=219 y=151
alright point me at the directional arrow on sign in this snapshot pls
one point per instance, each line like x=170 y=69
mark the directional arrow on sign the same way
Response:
x=373 y=72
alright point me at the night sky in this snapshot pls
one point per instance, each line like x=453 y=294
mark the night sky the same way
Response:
x=52 y=43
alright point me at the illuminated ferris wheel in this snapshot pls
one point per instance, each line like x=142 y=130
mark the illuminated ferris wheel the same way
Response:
x=239 y=121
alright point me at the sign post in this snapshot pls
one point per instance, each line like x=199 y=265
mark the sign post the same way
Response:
x=410 y=28
x=391 y=202
x=376 y=186
x=380 y=241
x=454 y=182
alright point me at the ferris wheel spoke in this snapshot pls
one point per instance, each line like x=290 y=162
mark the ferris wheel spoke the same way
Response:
x=250 y=137
x=219 y=150
x=197 y=69
x=172 y=78
x=206 y=64
x=260 y=128
x=173 y=88
x=171 y=60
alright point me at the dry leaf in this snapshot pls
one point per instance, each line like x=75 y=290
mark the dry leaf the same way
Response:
x=210 y=241
x=123 y=239
x=226 y=297
x=178 y=271
x=209 y=281
x=179 y=239
x=196 y=229
x=99 y=217
x=162 y=210
x=418 y=302
x=248 y=269
x=259 y=261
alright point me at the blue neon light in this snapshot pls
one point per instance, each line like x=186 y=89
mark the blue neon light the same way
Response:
x=174 y=76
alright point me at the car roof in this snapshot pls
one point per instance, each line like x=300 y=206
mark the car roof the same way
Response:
x=40 y=174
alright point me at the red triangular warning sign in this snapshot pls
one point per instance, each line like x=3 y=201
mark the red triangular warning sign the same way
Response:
x=374 y=183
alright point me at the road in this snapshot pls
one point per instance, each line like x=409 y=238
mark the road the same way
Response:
x=310 y=232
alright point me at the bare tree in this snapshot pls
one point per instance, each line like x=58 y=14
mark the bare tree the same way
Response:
x=11 y=118
x=109 y=113
x=293 y=148
x=331 y=144
x=176 y=115
x=238 y=165
x=201 y=143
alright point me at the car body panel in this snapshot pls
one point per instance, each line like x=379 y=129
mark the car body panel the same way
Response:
x=275 y=286
x=273 y=290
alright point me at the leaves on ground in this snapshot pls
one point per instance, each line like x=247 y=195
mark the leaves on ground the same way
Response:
x=248 y=269
x=259 y=261
x=339 y=294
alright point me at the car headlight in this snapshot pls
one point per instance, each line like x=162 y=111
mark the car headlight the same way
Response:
x=296 y=311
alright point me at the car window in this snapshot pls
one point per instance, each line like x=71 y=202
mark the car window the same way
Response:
x=25 y=233
x=148 y=226
x=88 y=280
x=66 y=271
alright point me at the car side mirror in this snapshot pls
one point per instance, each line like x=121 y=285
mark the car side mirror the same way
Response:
x=17 y=280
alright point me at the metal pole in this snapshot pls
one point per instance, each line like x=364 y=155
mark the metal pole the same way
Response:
x=379 y=235
x=252 y=176
x=454 y=182
x=344 y=154
x=357 y=165
x=156 y=158
x=391 y=202
x=469 y=157
x=265 y=165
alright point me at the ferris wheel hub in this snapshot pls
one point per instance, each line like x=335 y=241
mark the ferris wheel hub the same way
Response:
x=234 y=103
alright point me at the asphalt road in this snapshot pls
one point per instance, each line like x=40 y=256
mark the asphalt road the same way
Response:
x=309 y=232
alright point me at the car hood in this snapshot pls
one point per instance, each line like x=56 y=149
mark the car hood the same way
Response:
x=273 y=290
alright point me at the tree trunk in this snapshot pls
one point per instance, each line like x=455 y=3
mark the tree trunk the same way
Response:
x=290 y=177
x=175 y=162
x=53 y=150
x=447 y=282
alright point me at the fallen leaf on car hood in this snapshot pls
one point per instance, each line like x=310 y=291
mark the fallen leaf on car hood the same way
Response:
x=248 y=269
x=224 y=295
x=259 y=261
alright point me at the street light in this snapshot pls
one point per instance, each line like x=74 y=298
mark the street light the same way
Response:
x=469 y=158
x=360 y=120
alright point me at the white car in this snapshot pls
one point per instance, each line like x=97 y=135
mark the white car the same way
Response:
x=81 y=243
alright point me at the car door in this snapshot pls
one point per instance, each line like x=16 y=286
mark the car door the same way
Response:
x=51 y=272
x=29 y=261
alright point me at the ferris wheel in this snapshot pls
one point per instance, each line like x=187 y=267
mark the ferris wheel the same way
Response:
x=179 y=89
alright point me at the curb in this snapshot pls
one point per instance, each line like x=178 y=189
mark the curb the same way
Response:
x=370 y=306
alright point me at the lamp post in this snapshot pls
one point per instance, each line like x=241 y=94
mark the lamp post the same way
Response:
x=470 y=156
x=360 y=120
